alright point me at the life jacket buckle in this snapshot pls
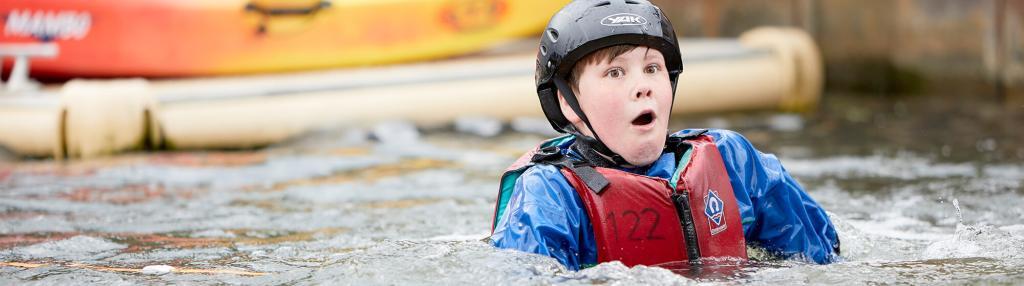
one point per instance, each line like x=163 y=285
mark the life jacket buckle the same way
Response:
x=547 y=154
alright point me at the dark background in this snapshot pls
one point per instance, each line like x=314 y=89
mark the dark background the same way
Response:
x=886 y=47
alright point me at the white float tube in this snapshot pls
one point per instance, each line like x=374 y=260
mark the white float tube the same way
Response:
x=767 y=68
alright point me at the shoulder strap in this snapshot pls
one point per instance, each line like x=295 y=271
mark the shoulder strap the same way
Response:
x=676 y=144
x=552 y=155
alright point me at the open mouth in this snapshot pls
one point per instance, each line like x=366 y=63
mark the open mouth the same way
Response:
x=645 y=118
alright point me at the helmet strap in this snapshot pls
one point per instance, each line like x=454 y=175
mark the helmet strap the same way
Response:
x=594 y=144
x=672 y=105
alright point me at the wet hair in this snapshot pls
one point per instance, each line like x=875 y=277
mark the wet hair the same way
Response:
x=602 y=55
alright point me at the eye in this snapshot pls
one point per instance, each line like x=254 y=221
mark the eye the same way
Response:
x=614 y=73
x=652 y=69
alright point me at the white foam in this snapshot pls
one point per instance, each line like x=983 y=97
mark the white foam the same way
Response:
x=460 y=237
x=157 y=269
x=977 y=241
x=898 y=227
x=77 y=248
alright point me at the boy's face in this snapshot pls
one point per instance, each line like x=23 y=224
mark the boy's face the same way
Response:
x=628 y=101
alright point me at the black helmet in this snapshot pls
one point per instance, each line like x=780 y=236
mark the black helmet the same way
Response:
x=585 y=26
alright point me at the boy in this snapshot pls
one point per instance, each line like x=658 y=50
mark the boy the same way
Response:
x=619 y=187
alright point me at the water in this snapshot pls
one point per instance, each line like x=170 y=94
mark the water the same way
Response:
x=922 y=191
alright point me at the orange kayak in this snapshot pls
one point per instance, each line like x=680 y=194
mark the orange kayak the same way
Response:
x=171 y=38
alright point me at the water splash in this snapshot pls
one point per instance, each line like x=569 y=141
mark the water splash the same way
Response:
x=980 y=240
x=959 y=213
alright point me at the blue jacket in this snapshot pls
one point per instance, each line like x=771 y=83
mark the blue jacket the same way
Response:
x=544 y=214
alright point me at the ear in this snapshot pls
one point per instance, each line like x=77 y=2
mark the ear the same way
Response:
x=568 y=112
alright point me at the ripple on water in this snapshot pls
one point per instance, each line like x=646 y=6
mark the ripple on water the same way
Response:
x=77 y=248
x=614 y=273
x=405 y=262
x=440 y=183
x=274 y=170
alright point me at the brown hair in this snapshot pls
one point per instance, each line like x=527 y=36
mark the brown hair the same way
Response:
x=604 y=54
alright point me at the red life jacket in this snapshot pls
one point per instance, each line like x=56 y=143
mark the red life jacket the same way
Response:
x=642 y=220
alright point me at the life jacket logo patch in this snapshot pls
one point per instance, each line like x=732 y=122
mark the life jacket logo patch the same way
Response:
x=714 y=209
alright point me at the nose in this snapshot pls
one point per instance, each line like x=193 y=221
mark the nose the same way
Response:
x=642 y=90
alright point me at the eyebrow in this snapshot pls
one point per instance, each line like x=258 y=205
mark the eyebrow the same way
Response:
x=648 y=54
x=615 y=59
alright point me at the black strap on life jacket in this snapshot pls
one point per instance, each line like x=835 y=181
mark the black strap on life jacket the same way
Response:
x=553 y=156
x=590 y=151
x=677 y=144
x=682 y=202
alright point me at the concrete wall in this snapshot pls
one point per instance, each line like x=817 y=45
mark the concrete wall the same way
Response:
x=886 y=46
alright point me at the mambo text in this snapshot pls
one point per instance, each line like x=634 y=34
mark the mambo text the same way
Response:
x=48 y=25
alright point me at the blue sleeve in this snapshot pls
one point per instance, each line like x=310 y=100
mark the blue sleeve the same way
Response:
x=777 y=214
x=546 y=216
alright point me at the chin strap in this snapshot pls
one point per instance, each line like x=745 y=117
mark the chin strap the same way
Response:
x=591 y=148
